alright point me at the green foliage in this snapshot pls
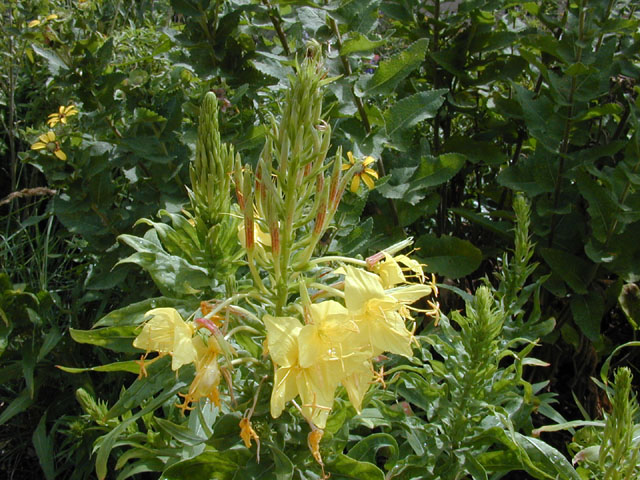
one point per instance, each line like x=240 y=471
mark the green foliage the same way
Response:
x=463 y=107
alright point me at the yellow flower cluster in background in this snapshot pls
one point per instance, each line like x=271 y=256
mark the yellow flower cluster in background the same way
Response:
x=338 y=342
x=36 y=22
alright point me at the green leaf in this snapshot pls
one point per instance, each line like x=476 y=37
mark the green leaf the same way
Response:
x=358 y=238
x=573 y=270
x=159 y=375
x=602 y=207
x=629 y=301
x=54 y=62
x=539 y=115
x=587 y=313
x=600 y=111
x=406 y=113
x=392 y=71
x=19 y=404
x=367 y=449
x=135 y=313
x=546 y=458
x=284 y=466
x=210 y=464
x=448 y=256
x=476 y=151
x=343 y=467
x=435 y=171
x=181 y=433
x=357 y=43
x=131 y=366
x=118 y=339
x=43 y=445
x=171 y=274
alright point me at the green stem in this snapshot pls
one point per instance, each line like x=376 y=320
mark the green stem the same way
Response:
x=278 y=26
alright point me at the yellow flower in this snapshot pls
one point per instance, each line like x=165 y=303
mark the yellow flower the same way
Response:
x=392 y=274
x=61 y=115
x=53 y=16
x=365 y=173
x=48 y=141
x=205 y=383
x=315 y=384
x=33 y=23
x=167 y=332
x=380 y=314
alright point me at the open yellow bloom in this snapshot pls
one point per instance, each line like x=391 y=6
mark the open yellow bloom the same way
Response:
x=167 y=332
x=380 y=314
x=48 y=142
x=392 y=270
x=365 y=173
x=61 y=115
x=315 y=384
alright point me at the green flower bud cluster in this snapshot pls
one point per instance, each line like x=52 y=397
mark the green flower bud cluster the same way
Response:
x=290 y=200
x=211 y=171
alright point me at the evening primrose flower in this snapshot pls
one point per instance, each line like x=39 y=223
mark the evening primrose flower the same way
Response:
x=48 y=142
x=61 y=115
x=166 y=332
x=365 y=173
x=205 y=383
x=378 y=313
x=392 y=270
x=315 y=384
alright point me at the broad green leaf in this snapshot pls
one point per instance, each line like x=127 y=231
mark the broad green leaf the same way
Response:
x=406 y=113
x=284 y=465
x=602 y=207
x=573 y=270
x=448 y=256
x=118 y=339
x=135 y=313
x=435 y=171
x=546 y=458
x=218 y=465
x=357 y=43
x=392 y=71
x=54 y=62
x=367 y=449
x=342 y=467
x=542 y=121
x=358 y=238
x=587 y=313
x=476 y=151
x=600 y=111
x=171 y=274
x=131 y=366
x=180 y=432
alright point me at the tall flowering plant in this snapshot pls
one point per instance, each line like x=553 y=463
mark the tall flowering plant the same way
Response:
x=254 y=300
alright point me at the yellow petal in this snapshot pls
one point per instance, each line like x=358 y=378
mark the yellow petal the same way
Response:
x=368 y=181
x=359 y=287
x=390 y=272
x=371 y=172
x=357 y=383
x=285 y=388
x=350 y=157
x=60 y=154
x=33 y=23
x=410 y=293
x=38 y=146
x=368 y=161
x=282 y=339
x=355 y=183
x=247 y=433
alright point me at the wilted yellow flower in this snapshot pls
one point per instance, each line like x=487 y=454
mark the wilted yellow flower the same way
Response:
x=247 y=433
x=61 y=115
x=167 y=332
x=48 y=142
x=366 y=174
x=205 y=383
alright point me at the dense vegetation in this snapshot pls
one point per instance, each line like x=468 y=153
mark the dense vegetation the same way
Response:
x=149 y=155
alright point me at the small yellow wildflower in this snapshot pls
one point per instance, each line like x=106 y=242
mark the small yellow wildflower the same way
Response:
x=48 y=142
x=61 y=115
x=33 y=23
x=365 y=173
